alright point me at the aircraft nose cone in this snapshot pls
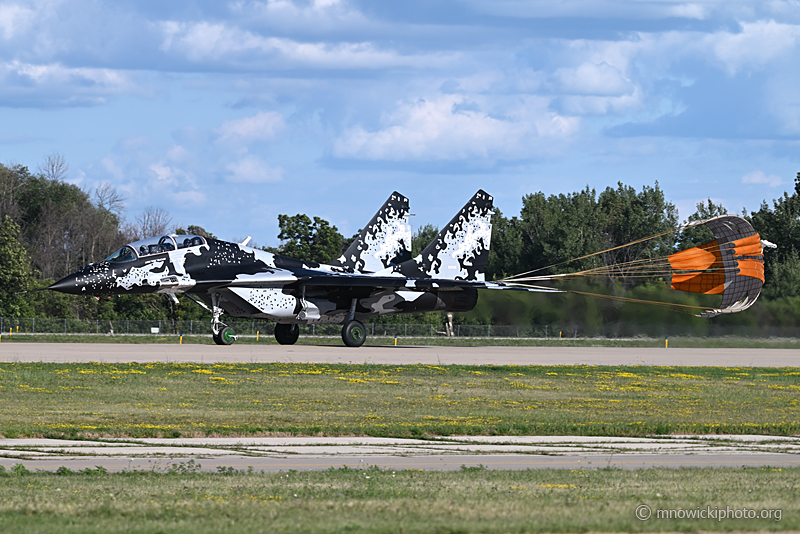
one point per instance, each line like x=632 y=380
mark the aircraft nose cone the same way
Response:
x=93 y=279
x=68 y=284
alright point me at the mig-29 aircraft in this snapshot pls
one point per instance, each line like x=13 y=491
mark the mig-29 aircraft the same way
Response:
x=375 y=276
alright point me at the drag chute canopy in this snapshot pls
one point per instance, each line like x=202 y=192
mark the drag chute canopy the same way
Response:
x=732 y=265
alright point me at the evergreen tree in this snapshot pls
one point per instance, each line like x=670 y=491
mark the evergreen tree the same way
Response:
x=505 y=247
x=698 y=235
x=781 y=225
x=422 y=238
x=196 y=230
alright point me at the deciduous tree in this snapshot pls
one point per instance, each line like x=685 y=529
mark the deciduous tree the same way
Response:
x=309 y=240
x=15 y=274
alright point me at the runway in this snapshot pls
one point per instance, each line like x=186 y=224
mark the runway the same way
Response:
x=431 y=355
x=445 y=454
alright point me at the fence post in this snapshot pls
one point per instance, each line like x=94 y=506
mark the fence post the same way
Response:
x=65 y=325
x=431 y=330
x=252 y=327
x=373 y=329
x=191 y=325
x=517 y=331
x=459 y=331
x=97 y=326
x=128 y=326
x=33 y=325
x=405 y=330
x=488 y=330
x=313 y=329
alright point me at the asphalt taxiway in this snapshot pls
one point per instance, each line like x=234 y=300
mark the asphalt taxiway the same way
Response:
x=389 y=355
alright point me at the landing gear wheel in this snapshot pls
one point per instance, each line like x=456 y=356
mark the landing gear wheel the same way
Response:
x=226 y=336
x=287 y=334
x=354 y=333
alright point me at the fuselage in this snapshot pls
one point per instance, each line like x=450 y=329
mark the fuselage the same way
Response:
x=248 y=282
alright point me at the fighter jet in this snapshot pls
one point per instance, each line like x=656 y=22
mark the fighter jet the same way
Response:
x=375 y=276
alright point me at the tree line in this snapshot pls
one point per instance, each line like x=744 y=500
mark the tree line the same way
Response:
x=50 y=228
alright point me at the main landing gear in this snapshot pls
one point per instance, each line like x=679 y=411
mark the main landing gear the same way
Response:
x=287 y=334
x=354 y=333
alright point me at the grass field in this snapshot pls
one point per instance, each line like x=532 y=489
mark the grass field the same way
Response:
x=381 y=501
x=171 y=400
x=203 y=339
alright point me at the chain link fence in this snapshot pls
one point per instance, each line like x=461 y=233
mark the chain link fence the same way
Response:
x=266 y=328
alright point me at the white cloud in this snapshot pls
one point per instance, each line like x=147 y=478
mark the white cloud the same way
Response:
x=602 y=105
x=322 y=4
x=206 y=41
x=262 y=126
x=14 y=19
x=112 y=167
x=253 y=170
x=178 y=179
x=447 y=127
x=597 y=8
x=318 y=16
x=177 y=153
x=56 y=73
x=58 y=85
x=758 y=177
x=593 y=79
x=756 y=45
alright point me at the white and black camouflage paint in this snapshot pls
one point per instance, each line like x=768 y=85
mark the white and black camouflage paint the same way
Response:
x=461 y=250
x=385 y=241
x=247 y=282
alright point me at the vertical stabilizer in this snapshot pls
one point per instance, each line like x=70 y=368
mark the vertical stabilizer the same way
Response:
x=385 y=241
x=461 y=250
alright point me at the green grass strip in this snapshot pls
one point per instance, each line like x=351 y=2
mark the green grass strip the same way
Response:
x=172 y=400
x=385 y=501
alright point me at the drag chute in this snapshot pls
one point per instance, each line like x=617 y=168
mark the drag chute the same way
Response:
x=732 y=265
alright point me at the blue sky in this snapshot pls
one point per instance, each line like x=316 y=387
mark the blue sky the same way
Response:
x=229 y=113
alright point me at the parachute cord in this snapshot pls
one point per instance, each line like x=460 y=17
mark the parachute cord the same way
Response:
x=609 y=269
x=676 y=307
x=511 y=278
x=687 y=308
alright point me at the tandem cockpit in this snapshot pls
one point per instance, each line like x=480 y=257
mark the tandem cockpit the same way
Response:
x=154 y=245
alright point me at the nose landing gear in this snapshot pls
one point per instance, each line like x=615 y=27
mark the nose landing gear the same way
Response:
x=221 y=333
x=225 y=336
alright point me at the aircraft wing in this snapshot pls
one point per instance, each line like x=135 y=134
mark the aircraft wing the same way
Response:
x=307 y=277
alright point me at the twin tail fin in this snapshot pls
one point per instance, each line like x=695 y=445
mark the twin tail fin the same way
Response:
x=384 y=242
x=461 y=250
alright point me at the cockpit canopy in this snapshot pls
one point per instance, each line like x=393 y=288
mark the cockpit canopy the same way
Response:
x=154 y=245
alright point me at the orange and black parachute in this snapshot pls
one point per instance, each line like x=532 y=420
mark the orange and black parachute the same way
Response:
x=732 y=265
